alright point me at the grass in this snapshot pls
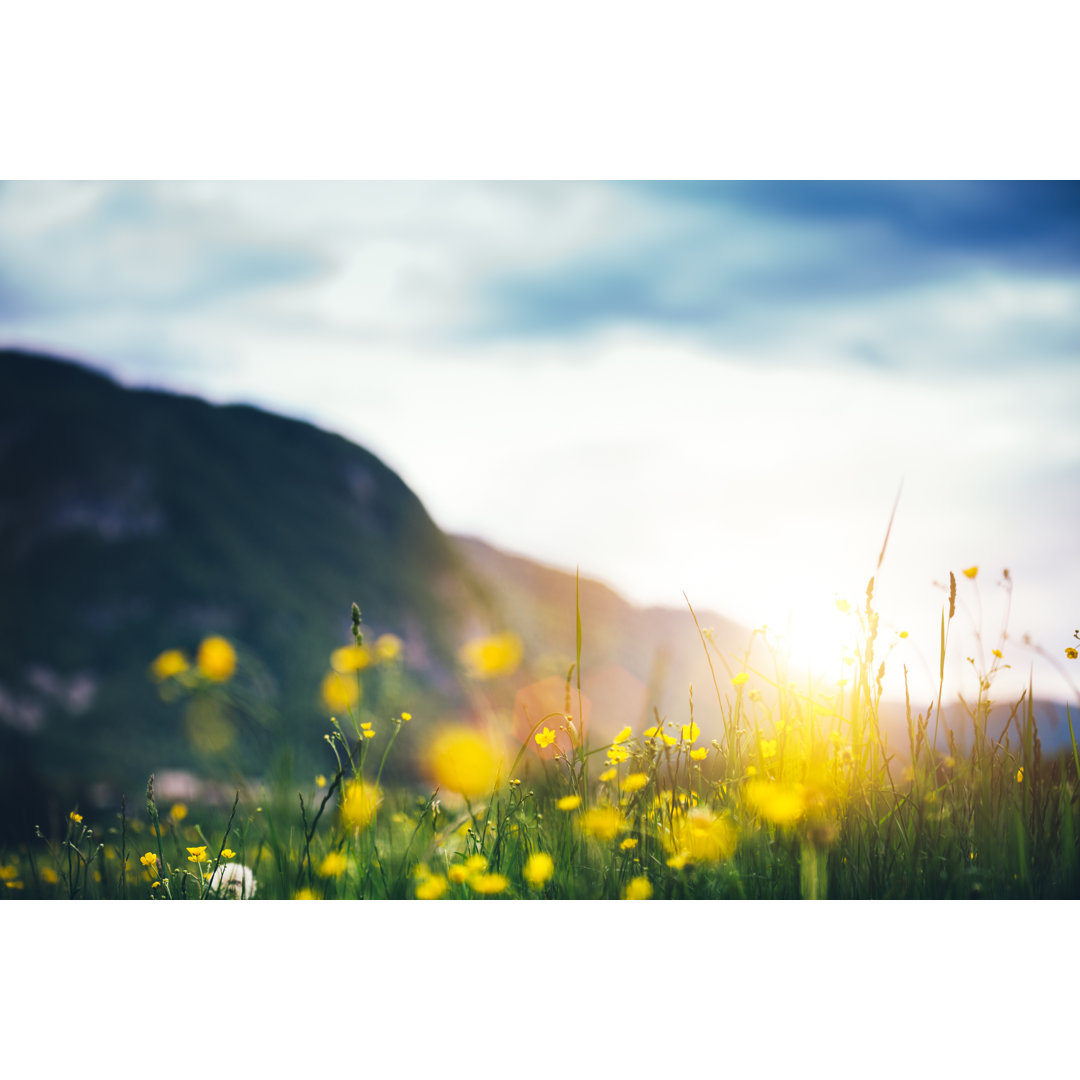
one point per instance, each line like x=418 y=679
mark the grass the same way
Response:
x=800 y=795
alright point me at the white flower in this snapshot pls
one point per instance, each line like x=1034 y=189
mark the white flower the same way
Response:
x=232 y=881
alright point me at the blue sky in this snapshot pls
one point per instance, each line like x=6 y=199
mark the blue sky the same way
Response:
x=715 y=388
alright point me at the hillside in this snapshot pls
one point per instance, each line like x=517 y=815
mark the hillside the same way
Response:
x=132 y=521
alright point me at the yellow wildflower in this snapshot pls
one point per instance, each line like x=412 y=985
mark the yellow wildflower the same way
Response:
x=19 y=884
x=178 y=811
x=606 y=775
x=1020 y=776
x=628 y=843
x=406 y=717
x=639 y=888
x=340 y=693
x=431 y=888
x=168 y=664
x=367 y=731
x=701 y=836
x=476 y=864
x=457 y=873
x=690 y=732
x=602 y=822
x=741 y=679
x=488 y=884
x=388 y=647
x=1071 y=653
x=304 y=894
x=320 y=781
x=462 y=760
x=359 y=804
x=545 y=737
x=77 y=818
x=228 y=853
x=782 y=804
x=9 y=873
x=971 y=571
x=216 y=659
x=622 y=736
x=49 y=875
x=350 y=659
x=635 y=782
x=700 y=754
x=768 y=748
x=334 y=865
x=617 y=754
x=492 y=656
x=997 y=653
x=569 y=802
x=539 y=869
x=197 y=854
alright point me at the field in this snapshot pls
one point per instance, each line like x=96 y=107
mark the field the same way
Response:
x=800 y=796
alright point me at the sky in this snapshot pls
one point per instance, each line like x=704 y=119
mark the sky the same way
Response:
x=711 y=388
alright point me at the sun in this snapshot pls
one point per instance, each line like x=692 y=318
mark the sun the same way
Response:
x=817 y=633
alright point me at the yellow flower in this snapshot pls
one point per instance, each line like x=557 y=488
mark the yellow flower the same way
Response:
x=359 y=803
x=77 y=818
x=431 y=888
x=545 y=737
x=782 y=804
x=903 y=633
x=617 y=754
x=971 y=571
x=149 y=863
x=997 y=653
x=602 y=822
x=178 y=812
x=350 y=659
x=488 y=884
x=700 y=754
x=690 y=732
x=49 y=875
x=768 y=748
x=9 y=873
x=457 y=873
x=635 y=782
x=304 y=894
x=740 y=680
x=406 y=717
x=367 y=731
x=196 y=854
x=608 y=774
x=628 y=843
x=19 y=884
x=320 y=781
x=476 y=864
x=334 y=865
x=340 y=693
x=216 y=659
x=492 y=656
x=1071 y=653
x=701 y=836
x=539 y=869
x=461 y=759
x=622 y=736
x=639 y=888
x=388 y=647
x=569 y=802
x=169 y=663
x=228 y=853
x=1020 y=776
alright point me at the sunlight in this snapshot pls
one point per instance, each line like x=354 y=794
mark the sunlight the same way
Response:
x=816 y=633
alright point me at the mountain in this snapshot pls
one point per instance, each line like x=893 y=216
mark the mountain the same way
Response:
x=134 y=521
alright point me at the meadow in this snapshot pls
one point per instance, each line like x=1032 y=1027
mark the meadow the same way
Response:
x=800 y=794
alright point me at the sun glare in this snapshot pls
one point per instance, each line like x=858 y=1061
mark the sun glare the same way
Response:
x=817 y=634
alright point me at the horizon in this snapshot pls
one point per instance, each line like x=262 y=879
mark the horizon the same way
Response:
x=722 y=387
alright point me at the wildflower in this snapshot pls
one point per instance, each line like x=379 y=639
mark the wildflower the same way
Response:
x=359 y=803
x=489 y=884
x=334 y=865
x=232 y=881
x=13 y=884
x=388 y=647
x=197 y=854
x=1020 y=776
x=9 y=873
x=602 y=822
x=350 y=659
x=569 y=802
x=539 y=869
x=492 y=656
x=228 y=853
x=304 y=894
x=464 y=761
x=216 y=659
x=406 y=717
x=843 y=607
x=49 y=875
x=639 y=888
x=545 y=737
x=780 y=804
x=700 y=754
x=606 y=775
x=635 y=782
x=617 y=754
x=690 y=732
x=971 y=571
x=457 y=873
x=431 y=888
x=701 y=836
x=339 y=693
x=622 y=736
x=168 y=664
x=628 y=843
x=903 y=634
x=768 y=748
x=677 y=862
x=1071 y=653
x=740 y=679
x=320 y=781
x=149 y=860
x=997 y=653
x=367 y=731
x=77 y=818
x=178 y=812
x=476 y=864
